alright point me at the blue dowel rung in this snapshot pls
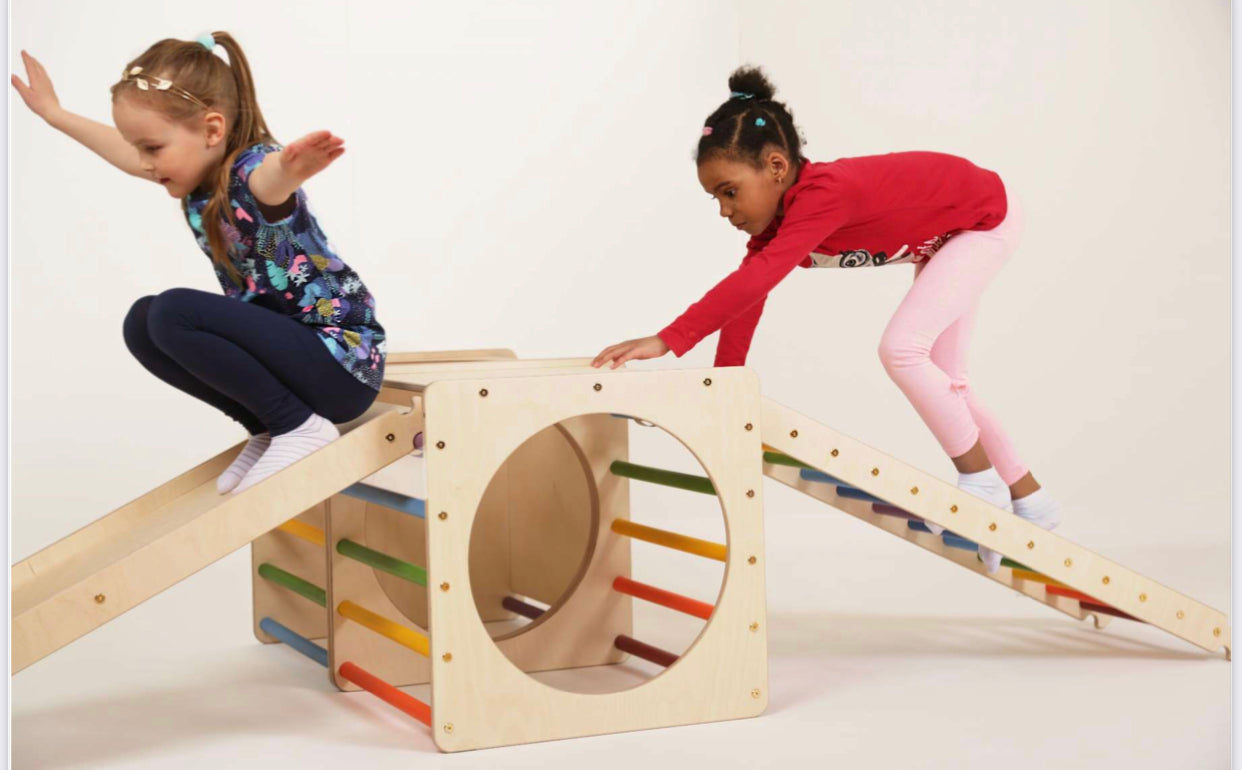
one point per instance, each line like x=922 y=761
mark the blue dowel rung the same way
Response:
x=397 y=502
x=810 y=474
x=295 y=640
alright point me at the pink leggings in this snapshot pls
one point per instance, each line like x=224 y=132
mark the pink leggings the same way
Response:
x=923 y=349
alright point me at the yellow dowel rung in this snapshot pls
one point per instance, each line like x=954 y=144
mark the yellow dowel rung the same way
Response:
x=672 y=540
x=1036 y=577
x=385 y=627
x=307 y=532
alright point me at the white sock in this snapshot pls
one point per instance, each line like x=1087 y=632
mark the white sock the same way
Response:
x=1038 y=508
x=288 y=448
x=250 y=455
x=985 y=484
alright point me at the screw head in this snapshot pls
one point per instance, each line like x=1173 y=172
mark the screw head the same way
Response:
x=100 y=598
x=752 y=560
x=914 y=490
x=754 y=626
x=750 y=426
x=952 y=509
x=598 y=387
x=444 y=586
x=1216 y=631
x=834 y=453
x=443 y=515
x=793 y=434
x=875 y=471
x=1106 y=580
x=1180 y=614
x=750 y=493
x=483 y=393
x=992 y=526
x=439 y=445
x=447 y=657
x=1030 y=544
x=1142 y=597
x=390 y=438
x=707 y=381
x=1069 y=562
x=755 y=693
x=448 y=727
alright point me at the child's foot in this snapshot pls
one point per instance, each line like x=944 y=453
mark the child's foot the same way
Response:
x=250 y=455
x=1038 y=508
x=288 y=448
x=986 y=485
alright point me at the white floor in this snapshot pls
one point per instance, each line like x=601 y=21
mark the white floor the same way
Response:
x=881 y=656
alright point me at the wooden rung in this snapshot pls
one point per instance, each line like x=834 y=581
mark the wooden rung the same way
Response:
x=891 y=510
x=384 y=627
x=516 y=605
x=663 y=598
x=303 y=588
x=397 y=502
x=1072 y=594
x=386 y=692
x=645 y=651
x=1106 y=610
x=684 y=543
x=295 y=641
x=308 y=532
x=686 y=481
x=1036 y=577
x=810 y=474
x=383 y=562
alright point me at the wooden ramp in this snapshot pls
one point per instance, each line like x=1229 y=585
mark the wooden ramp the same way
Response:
x=141 y=549
x=1040 y=564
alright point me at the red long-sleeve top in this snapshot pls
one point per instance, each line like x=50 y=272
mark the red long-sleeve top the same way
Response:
x=872 y=210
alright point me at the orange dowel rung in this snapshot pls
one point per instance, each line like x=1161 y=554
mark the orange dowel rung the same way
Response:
x=386 y=692
x=663 y=598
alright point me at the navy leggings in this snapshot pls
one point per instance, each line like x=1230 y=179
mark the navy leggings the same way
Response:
x=265 y=370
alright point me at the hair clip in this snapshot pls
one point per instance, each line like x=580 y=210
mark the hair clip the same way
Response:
x=760 y=122
x=147 y=82
x=707 y=130
x=740 y=95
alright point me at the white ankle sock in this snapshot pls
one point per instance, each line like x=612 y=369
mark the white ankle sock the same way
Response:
x=250 y=455
x=1038 y=508
x=986 y=484
x=288 y=448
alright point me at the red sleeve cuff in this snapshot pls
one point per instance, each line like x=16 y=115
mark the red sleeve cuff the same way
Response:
x=676 y=341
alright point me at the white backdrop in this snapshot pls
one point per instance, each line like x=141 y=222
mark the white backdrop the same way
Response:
x=519 y=174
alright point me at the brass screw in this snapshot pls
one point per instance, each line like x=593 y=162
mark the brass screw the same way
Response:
x=914 y=490
x=752 y=560
x=1030 y=544
x=598 y=387
x=439 y=445
x=1180 y=614
x=708 y=382
x=755 y=627
x=1142 y=597
x=749 y=426
x=1216 y=631
x=755 y=693
x=875 y=471
x=447 y=657
x=100 y=598
x=483 y=393
x=448 y=727
x=444 y=586
x=1106 y=580
x=390 y=438
x=750 y=493
x=834 y=453
x=1069 y=562
x=992 y=526
x=443 y=515
x=952 y=509
x=793 y=434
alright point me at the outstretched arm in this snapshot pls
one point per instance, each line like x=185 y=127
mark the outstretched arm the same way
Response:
x=283 y=172
x=103 y=140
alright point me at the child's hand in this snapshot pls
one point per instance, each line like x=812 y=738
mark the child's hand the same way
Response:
x=39 y=95
x=310 y=155
x=631 y=350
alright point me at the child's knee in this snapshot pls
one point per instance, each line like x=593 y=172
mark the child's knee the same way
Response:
x=134 y=328
x=900 y=350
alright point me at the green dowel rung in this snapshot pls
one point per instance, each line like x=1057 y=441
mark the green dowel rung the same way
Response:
x=776 y=458
x=684 y=481
x=382 y=561
x=294 y=584
x=1008 y=562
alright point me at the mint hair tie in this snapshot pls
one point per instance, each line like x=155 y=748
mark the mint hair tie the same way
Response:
x=740 y=95
x=206 y=41
x=760 y=122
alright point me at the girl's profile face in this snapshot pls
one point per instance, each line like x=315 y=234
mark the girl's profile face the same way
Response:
x=749 y=196
x=177 y=154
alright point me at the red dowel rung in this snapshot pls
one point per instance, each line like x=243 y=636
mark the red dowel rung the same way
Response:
x=1072 y=594
x=663 y=598
x=386 y=692
x=645 y=651
x=1104 y=609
